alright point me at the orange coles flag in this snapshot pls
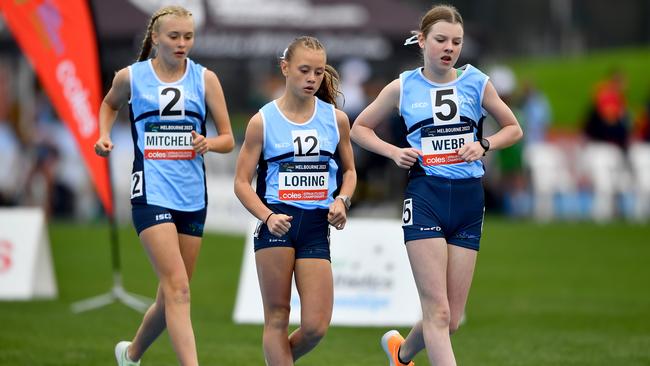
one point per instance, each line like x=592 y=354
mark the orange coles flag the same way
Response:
x=58 y=38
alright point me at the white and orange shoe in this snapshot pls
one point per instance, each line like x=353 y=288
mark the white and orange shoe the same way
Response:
x=390 y=342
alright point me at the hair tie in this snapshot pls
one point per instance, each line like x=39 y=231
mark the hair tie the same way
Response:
x=411 y=40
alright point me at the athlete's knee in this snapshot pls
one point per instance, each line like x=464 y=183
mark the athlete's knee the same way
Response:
x=314 y=331
x=176 y=289
x=439 y=316
x=277 y=317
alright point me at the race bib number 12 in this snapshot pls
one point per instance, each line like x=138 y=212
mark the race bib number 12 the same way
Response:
x=305 y=145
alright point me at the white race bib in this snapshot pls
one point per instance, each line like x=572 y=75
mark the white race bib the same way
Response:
x=168 y=141
x=440 y=144
x=303 y=181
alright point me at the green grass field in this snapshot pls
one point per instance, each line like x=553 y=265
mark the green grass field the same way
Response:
x=561 y=294
x=569 y=81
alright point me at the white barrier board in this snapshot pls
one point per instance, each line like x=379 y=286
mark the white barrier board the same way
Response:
x=26 y=270
x=225 y=214
x=373 y=283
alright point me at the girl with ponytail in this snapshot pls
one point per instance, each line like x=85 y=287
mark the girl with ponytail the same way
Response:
x=168 y=96
x=300 y=146
x=442 y=108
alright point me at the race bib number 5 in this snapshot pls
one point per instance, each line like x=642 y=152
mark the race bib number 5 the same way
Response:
x=445 y=106
x=407 y=212
x=168 y=141
x=303 y=182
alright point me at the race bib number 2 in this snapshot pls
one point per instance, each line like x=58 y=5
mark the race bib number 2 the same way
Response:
x=171 y=103
x=136 y=184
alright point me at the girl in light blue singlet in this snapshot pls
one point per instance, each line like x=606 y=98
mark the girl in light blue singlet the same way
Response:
x=167 y=96
x=442 y=109
x=299 y=145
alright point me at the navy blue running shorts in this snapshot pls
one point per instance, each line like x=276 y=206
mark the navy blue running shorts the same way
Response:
x=436 y=207
x=187 y=222
x=309 y=234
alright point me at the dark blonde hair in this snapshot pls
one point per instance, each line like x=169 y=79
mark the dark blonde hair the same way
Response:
x=329 y=88
x=154 y=25
x=439 y=13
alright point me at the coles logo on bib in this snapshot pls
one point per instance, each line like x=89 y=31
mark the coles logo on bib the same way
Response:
x=168 y=141
x=303 y=181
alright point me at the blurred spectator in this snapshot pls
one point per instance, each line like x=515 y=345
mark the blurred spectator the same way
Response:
x=503 y=79
x=535 y=117
x=642 y=125
x=371 y=168
x=271 y=88
x=354 y=74
x=52 y=178
x=377 y=179
x=11 y=158
x=608 y=119
x=39 y=189
x=535 y=113
x=505 y=186
x=10 y=161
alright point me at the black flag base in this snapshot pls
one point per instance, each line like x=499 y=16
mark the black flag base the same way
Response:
x=117 y=293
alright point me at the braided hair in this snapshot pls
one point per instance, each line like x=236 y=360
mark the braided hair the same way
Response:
x=154 y=24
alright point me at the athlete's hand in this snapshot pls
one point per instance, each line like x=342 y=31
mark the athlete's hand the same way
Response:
x=471 y=152
x=337 y=216
x=103 y=146
x=406 y=157
x=279 y=224
x=199 y=143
